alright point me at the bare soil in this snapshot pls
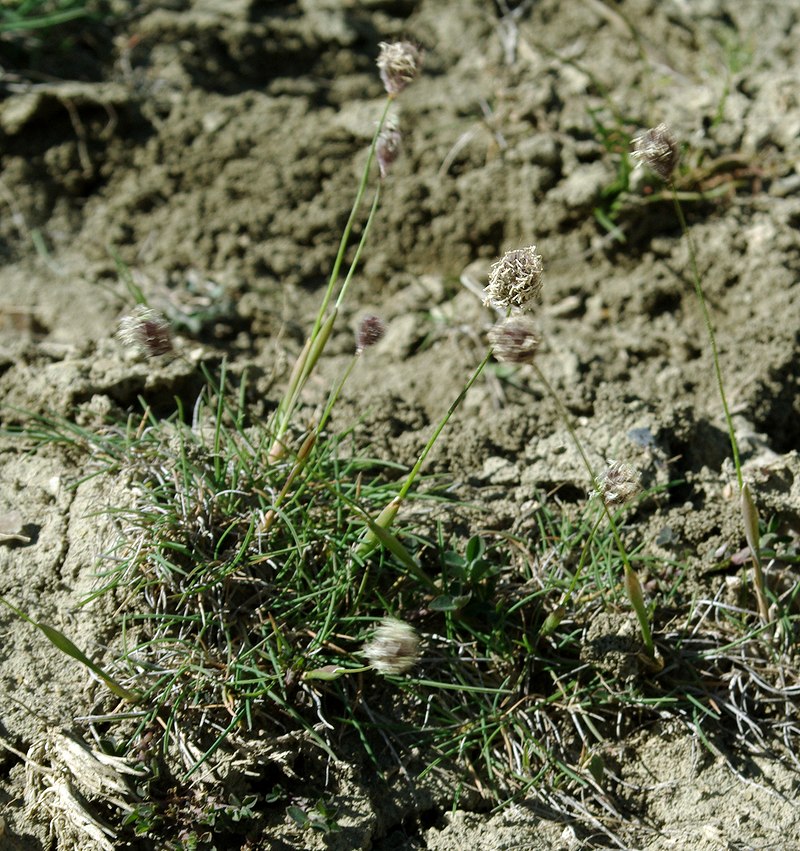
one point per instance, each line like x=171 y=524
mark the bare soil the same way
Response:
x=214 y=147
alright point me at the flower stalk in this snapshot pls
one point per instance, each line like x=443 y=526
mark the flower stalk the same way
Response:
x=632 y=585
x=657 y=148
x=370 y=331
x=384 y=520
x=399 y=64
x=748 y=506
x=321 y=331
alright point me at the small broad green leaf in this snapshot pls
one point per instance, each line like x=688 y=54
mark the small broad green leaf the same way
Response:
x=298 y=815
x=475 y=548
x=277 y=793
x=481 y=569
x=453 y=559
x=449 y=602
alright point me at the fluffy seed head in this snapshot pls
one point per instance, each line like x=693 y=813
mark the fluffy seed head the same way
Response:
x=399 y=64
x=619 y=483
x=515 y=340
x=387 y=149
x=147 y=330
x=370 y=331
x=515 y=280
x=657 y=149
x=394 y=648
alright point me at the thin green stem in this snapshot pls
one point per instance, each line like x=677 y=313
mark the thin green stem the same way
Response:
x=581 y=564
x=555 y=617
x=319 y=337
x=317 y=341
x=386 y=517
x=337 y=265
x=633 y=588
x=310 y=353
x=305 y=450
x=698 y=288
x=302 y=370
x=565 y=418
x=440 y=427
x=360 y=247
x=632 y=585
x=334 y=396
x=748 y=507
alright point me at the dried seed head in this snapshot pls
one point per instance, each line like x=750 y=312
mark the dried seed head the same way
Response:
x=387 y=149
x=370 y=331
x=515 y=280
x=515 y=340
x=146 y=329
x=394 y=648
x=399 y=63
x=619 y=483
x=657 y=149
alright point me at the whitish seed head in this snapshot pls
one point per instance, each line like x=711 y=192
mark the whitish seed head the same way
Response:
x=619 y=483
x=515 y=280
x=387 y=148
x=394 y=648
x=515 y=340
x=399 y=63
x=147 y=330
x=657 y=148
x=370 y=331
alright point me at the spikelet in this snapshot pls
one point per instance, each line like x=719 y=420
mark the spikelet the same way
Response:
x=394 y=648
x=658 y=150
x=515 y=340
x=515 y=280
x=619 y=483
x=399 y=64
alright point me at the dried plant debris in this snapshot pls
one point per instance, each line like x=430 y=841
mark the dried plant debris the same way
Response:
x=70 y=784
x=12 y=527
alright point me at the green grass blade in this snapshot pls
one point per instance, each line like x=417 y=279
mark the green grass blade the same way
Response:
x=42 y=22
x=62 y=643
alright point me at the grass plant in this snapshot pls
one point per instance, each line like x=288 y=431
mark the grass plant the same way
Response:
x=249 y=573
x=228 y=630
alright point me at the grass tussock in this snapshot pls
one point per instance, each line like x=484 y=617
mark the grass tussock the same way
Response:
x=276 y=597
x=527 y=671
